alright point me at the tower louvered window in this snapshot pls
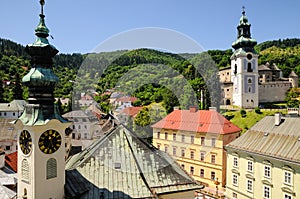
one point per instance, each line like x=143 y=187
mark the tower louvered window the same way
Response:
x=25 y=170
x=51 y=168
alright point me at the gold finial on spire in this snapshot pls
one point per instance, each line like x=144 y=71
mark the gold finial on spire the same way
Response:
x=42 y=2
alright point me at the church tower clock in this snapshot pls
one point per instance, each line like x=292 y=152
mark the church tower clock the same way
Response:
x=244 y=67
x=41 y=136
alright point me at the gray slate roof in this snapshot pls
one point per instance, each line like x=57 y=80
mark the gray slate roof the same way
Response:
x=7 y=129
x=15 y=105
x=266 y=139
x=120 y=165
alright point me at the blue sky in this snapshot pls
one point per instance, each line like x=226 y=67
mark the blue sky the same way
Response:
x=80 y=26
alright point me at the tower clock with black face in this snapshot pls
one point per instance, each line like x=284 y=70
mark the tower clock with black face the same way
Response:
x=50 y=141
x=25 y=142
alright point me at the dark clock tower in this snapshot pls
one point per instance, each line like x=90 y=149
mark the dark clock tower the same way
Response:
x=41 y=137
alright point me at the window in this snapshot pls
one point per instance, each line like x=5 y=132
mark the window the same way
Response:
x=192 y=154
x=213 y=175
x=213 y=142
x=174 y=151
x=85 y=126
x=7 y=148
x=249 y=68
x=182 y=152
x=202 y=156
x=249 y=81
x=192 y=139
x=235 y=69
x=174 y=136
x=192 y=170
x=249 y=185
x=25 y=170
x=166 y=148
x=182 y=166
x=202 y=173
x=235 y=162
x=287 y=196
x=267 y=192
x=51 y=168
x=250 y=166
x=288 y=177
x=202 y=142
x=182 y=138
x=166 y=135
x=249 y=89
x=267 y=171
x=235 y=179
x=79 y=126
x=213 y=158
x=234 y=195
x=158 y=135
x=4 y=113
x=14 y=114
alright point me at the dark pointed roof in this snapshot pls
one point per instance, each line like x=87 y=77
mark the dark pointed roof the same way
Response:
x=121 y=165
x=293 y=74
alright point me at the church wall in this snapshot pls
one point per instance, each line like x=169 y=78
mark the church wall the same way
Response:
x=273 y=91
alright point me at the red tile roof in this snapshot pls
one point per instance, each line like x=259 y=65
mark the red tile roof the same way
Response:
x=198 y=121
x=12 y=161
x=126 y=99
x=132 y=111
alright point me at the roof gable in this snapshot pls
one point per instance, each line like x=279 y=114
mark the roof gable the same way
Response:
x=138 y=169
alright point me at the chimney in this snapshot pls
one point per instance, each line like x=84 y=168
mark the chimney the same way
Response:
x=277 y=119
x=212 y=108
x=176 y=108
x=2 y=158
x=193 y=109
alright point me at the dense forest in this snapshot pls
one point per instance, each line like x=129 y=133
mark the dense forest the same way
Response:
x=150 y=75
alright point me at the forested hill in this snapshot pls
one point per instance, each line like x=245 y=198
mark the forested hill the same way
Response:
x=15 y=63
x=284 y=43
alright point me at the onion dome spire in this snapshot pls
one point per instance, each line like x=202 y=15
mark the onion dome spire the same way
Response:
x=244 y=41
x=41 y=79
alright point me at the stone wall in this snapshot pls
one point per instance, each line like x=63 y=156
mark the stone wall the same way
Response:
x=273 y=91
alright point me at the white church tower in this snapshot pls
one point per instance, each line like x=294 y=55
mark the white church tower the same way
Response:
x=244 y=67
x=41 y=136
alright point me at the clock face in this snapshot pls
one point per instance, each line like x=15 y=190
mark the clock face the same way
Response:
x=25 y=142
x=50 y=141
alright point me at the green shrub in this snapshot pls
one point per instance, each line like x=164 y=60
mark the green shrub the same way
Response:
x=243 y=113
x=257 y=110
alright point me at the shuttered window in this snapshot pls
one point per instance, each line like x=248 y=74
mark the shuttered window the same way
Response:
x=51 y=168
x=25 y=170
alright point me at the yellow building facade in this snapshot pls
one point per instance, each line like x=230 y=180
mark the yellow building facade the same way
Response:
x=200 y=151
x=265 y=161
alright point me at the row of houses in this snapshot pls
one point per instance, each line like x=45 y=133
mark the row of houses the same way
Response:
x=264 y=162
x=261 y=163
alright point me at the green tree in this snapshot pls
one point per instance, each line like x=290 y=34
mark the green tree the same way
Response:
x=1 y=87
